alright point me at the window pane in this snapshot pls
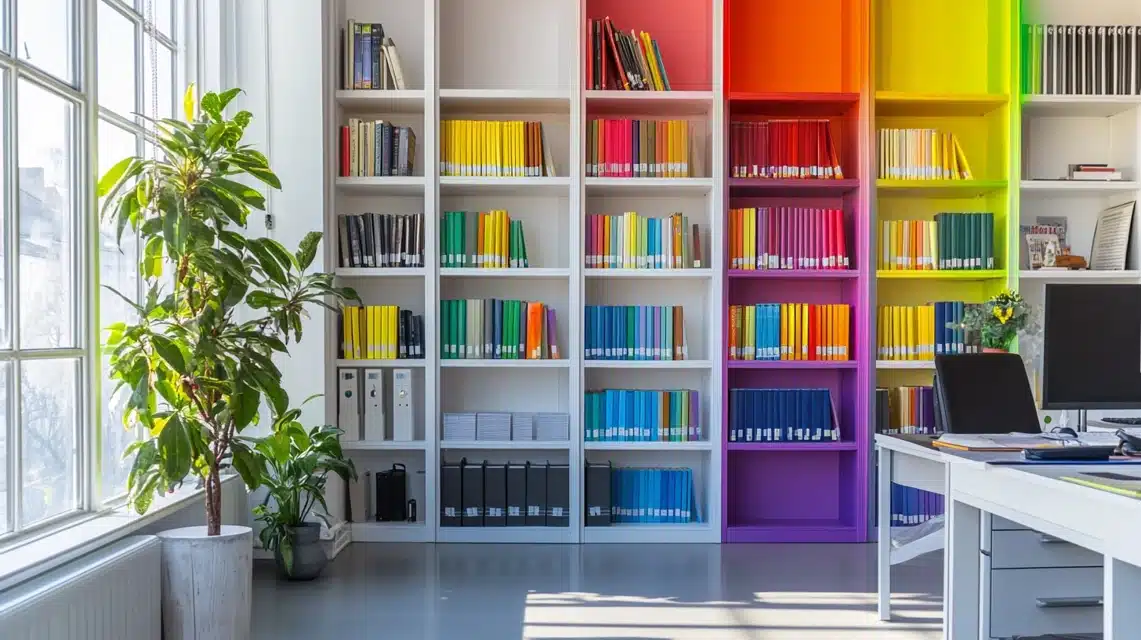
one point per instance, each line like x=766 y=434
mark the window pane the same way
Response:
x=44 y=35
x=4 y=335
x=118 y=268
x=163 y=82
x=47 y=268
x=4 y=519
x=163 y=15
x=116 y=38
x=47 y=422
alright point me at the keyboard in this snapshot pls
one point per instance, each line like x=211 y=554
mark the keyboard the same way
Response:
x=1129 y=422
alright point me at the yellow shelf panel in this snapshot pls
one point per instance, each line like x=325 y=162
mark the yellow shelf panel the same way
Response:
x=939 y=188
x=978 y=274
x=900 y=103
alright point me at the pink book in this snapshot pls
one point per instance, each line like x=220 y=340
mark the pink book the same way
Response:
x=787 y=248
x=591 y=241
x=826 y=223
x=628 y=148
x=821 y=222
x=841 y=249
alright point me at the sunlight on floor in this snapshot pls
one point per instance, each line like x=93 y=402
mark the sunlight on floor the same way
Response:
x=770 y=616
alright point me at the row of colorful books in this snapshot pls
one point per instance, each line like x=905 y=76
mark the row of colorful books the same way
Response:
x=482 y=240
x=787 y=238
x=782 y=415
x=498 y=330
x=921 y=154
x=924 y=331
x=949 y=242
x=616 y=60
x=381 y=332
x=784 y=149
x=621 y=148
x=633 y=241
x=635 y=332
x=494 y=148
x=380 y=240
x=790 y=331
x=376 y=148
x=905 y=410
x=639 y=496
x=642 y=415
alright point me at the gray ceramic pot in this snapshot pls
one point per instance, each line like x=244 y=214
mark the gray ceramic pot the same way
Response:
x=308 y=553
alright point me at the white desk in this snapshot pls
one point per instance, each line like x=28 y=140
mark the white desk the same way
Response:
x=1033 y=496
x=911 y=465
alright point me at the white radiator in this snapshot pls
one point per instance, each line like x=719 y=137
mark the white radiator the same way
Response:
x=109 y=594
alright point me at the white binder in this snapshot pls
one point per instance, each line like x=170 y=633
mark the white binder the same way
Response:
x=349 y=413
x=374 y=405
x=402 y=428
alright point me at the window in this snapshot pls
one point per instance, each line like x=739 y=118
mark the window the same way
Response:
x=61 y=430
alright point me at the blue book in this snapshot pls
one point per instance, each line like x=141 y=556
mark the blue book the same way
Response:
x=589 y=320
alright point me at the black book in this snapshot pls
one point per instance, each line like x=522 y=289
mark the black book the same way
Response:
x=495 y=495
x=536 y=495
x=345 y=249
x=377 y=65
x=597 y=495
x=558 y=495
x=516 y=495
x=472 y=495
x=451 y=494
x=402 y=333
x=355 y=232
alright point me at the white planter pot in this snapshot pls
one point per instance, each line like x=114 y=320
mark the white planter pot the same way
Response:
x=207 y=583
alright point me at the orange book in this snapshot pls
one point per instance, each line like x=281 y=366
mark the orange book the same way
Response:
x=813 y=332
x=504 y=239
x=832 y=355
x=845 y=331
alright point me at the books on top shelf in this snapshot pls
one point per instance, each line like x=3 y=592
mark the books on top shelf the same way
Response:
x=790 y=331
x=384 y=332
x=380 y=240
x=921 y=154
x=494 y=148
x=621 y=61
x=784 y=149
x=925 y=331
x=642 y=415
x=905 y=410
x=1067 y=59
x=639 y=496
x=621 y=148
x=495 y=329
x=782 y=415
x=376 y=148
x=763 y=238
x=369 y=59
x=635 y=332
x=487 y=426
x=482 y=240
x=952 y=241
x=633 y=241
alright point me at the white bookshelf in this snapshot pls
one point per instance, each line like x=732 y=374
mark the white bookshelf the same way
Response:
x=454 y=71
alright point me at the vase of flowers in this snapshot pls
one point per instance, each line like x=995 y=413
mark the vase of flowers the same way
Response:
x=998 y=321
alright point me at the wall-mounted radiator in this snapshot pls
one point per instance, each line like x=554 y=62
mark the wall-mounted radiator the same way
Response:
x=110 y=594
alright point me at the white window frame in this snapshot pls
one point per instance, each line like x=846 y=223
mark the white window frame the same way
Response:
x=83 y=94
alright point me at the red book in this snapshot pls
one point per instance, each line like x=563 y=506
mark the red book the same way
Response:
x=841 y=249
x=628 y=148
x=622 y=82
x=813 y=337
x=345 y=164
x=590 y=54
x=829 y=247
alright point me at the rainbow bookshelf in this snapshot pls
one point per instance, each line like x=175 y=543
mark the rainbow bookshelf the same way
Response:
x=794 y=491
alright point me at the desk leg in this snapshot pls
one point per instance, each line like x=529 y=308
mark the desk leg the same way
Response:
x=1122 y=589
x=961 y=570
x=883 y=532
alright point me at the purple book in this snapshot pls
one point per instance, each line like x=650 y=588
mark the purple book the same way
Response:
x=552 y=335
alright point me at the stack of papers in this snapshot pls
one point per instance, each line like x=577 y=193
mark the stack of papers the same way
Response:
x=459 y=426
x=552 y=426
x=493 y=426
x=1020 y=441
x=522 y=426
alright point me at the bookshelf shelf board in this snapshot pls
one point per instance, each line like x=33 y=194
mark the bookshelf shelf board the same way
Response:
x=391 y=532
x=1079 y=276
x=380 y=272
x=406 y=101
x=470 y=186
x=792 y=446
x=650 y=187
x=363 y=363
x=791 y=364
x=503 y=101
x=383 y=185
x=695 y=532
x=384 y=445
x=946 y=274
x=1054 y=106
x=1063 y=187
x=700 y=445
x=505 y=535
x=505 y=445
x=461 y=363
x=647 y=364
x=905 y=364
x=897 y=103
x=807 y=187
x=451 y=272
x=793 y=274
x=655 y=274
x=939 y=188
x=688 y=103
x=793 y=530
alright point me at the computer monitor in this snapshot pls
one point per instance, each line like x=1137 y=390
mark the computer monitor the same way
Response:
x=1092 y=347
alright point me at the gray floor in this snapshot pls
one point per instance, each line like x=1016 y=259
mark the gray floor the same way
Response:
x=643 y=592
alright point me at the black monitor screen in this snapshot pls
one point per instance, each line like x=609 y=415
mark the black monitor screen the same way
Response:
x=1092 y=335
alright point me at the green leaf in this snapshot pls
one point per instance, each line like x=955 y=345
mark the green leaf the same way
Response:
x=188 y=103
x=243 y=118
x=212 y=105
x=227 y=96
x=246 y=194
x=248 y=465
x=170 y=353
x=111 y=178
x=267 y=261
x=244 y=403
x=152 y=258
x=307 y=250
x=265 y=175
x=174 y=447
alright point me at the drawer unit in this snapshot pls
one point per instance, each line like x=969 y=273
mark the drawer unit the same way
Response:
x=1040 y=601
x=1027 y=549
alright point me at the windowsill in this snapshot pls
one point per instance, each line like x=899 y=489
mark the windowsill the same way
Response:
x=25 y=561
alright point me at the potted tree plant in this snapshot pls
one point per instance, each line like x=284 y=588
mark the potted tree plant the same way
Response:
x=998 y=320
x=196 y=372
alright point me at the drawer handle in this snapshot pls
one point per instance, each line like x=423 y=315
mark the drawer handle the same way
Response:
x=1058 y=603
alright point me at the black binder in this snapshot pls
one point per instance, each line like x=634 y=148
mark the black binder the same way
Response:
x=473 y=495
x=494 y=495
x=516 y=495
x=451 y=494
x=392 y=494
x=558 y=495
x=536 y=495
x=598 y=495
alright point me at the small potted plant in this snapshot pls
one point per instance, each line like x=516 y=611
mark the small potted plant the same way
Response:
x=297 y=466
x=998 y=321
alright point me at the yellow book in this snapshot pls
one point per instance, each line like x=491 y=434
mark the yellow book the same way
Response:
x=608 y=257
x=493 y=148
x=845 y=331
x=784 y=352
x=358 y=352
x=491 y=240
x=748 y=238
x=897 y=334
x=956 y=167
x=750 y=332
x=794 y=331
x=519 y=147
x=966 y=167
x=912 y=333
x=393 y=312
x=651 y=61
x=375 y=331
x=504 y=239
x=804 y=337
x=346 y=334
x=369 y=347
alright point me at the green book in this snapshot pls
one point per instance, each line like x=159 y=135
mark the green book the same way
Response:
x=631 y=331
